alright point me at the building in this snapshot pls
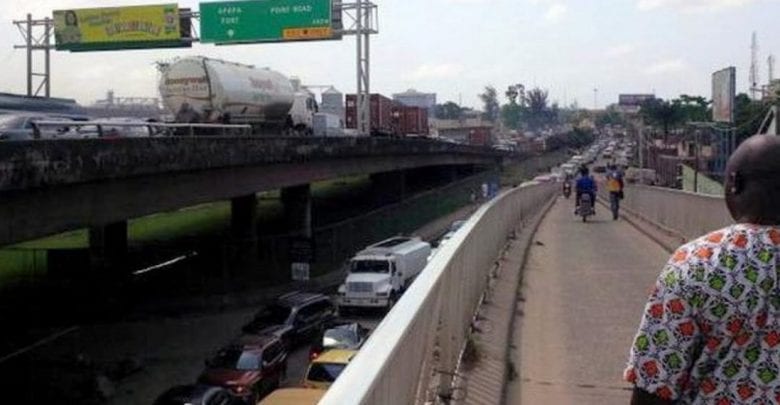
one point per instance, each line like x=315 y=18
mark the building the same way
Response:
x=414 y=98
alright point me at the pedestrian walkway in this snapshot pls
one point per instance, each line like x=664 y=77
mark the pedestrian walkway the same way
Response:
x=584 y=288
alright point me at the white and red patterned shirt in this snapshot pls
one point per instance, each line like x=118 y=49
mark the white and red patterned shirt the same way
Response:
x=710 y=333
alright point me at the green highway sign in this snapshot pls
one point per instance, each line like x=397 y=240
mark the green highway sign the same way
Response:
x=247 y=21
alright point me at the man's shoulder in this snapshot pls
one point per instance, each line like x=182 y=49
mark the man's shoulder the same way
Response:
x=732 y=241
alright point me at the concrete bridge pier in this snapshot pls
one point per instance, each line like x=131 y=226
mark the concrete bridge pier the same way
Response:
x=297 y=210
x=243 y=231
x=108 y=246
x=389 y=187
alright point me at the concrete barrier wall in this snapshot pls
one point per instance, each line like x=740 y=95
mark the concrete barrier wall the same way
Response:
x=32 y=164
x=687 y=214
x=416 y=348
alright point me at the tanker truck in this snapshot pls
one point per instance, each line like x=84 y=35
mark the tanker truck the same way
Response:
x=203 y=90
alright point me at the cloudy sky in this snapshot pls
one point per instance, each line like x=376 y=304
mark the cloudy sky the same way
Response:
x=456 y=47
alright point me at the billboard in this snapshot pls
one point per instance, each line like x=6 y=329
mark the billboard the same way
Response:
x=110 y=28
x=634 y=100
x=235 y=22
x=724 y=88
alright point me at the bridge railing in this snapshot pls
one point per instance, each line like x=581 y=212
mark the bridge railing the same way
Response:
x=687 y=214
x=414 y=352
x=102 y=128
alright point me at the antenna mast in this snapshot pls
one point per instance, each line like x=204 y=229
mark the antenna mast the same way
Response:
x=754 y=66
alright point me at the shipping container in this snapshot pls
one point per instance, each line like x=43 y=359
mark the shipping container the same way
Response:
x=480 y=136
x=411 y=120
x=381 y=114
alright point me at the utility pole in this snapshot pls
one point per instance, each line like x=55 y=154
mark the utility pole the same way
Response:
x=595 y=99
x=364 y=23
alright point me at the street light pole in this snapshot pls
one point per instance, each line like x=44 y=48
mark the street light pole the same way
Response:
x=696 y=164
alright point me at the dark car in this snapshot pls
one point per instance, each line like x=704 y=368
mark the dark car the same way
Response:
x=197 y=395
x=249 y=368
x=295 y=318
x=347 y=336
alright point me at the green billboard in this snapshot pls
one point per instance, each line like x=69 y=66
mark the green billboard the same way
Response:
x=230 y=22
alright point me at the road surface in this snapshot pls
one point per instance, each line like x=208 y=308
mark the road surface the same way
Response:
x=584 y=289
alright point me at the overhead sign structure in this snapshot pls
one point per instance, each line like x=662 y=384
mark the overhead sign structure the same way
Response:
x=251 y=21
x=724 y=88
x=111 y=28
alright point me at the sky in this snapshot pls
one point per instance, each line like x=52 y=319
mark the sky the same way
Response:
x=456 y=47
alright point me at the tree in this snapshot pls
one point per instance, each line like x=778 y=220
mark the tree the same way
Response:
x=512 y=115
x=748 y=115
x=511 y=94
x=537 y=114
x=448 y=111
x=609 y=117
x=694 y=108
x=490 y=100
x=662 y=113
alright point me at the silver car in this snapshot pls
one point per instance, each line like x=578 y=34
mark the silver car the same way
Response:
x=22 y=127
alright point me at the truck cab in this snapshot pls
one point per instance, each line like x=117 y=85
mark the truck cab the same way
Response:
x=303 y=109
x=379 y=274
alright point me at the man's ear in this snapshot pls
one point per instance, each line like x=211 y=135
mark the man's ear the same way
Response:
x=735 y=183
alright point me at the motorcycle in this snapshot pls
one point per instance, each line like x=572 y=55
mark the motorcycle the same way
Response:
x=614 y=205
x=567 y=189
x=586 y=207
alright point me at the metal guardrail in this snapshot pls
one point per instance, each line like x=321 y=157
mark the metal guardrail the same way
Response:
x=688 y=214
x=414 y=352
x=103 y=128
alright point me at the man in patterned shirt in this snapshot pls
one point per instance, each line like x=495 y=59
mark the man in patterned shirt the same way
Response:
x=710 y=333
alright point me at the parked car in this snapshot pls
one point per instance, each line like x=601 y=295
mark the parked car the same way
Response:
x=249 y=368
x=451 y=231
x=295 y=318
x=294 y=396
x=326 y=368
x=197 y=394
x=349 y=336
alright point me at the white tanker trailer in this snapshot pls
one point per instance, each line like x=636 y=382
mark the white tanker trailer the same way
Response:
x=200 y=89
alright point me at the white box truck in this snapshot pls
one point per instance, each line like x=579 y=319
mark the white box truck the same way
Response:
x=380 y=273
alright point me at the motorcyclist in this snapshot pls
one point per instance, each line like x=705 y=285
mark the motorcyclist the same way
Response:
x=615 y=188
x=585 y=185
x=567 y=184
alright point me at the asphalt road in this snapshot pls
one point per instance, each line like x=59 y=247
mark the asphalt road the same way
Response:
x=584 y=290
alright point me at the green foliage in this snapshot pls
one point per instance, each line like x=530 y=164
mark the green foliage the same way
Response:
x=748 y=115
x=694 y=108
x=491 y=106
x=609 y=117
x=529 y=110
x=576 y=138
x=512 y=115
x=448 y=111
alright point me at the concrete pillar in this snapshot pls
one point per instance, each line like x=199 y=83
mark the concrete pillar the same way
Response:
x=108 y=245
x=389 y=187
x=297 y=210
x=241 y=255
x=243 y=218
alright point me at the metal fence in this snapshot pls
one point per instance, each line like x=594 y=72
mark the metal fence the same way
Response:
x=687 y=214
x=413 y=353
